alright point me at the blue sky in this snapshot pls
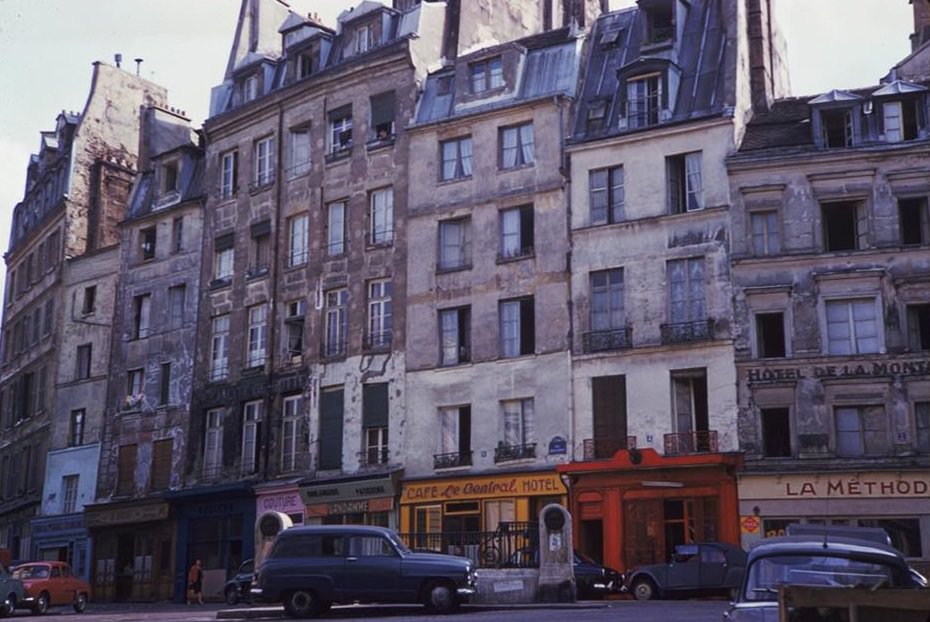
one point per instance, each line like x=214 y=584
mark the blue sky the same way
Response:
x=48 y=46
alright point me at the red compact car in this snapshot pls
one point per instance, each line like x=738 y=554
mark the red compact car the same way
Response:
x=51 y=584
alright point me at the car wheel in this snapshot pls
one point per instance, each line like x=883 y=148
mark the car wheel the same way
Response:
x=644 y=589
x=301 y=603
x=8 y=605
x=80 y=602
x=440 y=598
x=41 y=604
x=232 y=595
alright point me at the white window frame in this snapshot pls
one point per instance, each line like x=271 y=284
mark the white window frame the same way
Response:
x=643 y=100
x=376 y=444
x=837 y=321
x=517 y=146
x=223 y=264
x=213 y=442
x=228 y=174
x=252 y=416
x=337 y=311
x=69 y=493
x=608 y=310
x=298 y=235
x=684 y=183
x=764 y=232
x=250 y=88
x=363 y=39
x=456 y=158
x=451 y=346
x=517 y=420
x=336 y=229
x=686 y=302
x=258 y=335
x=486 y=75
x=142 y=313
x=454 y=244
x=381 y=202
x=264 y=161
x=219 y=355
x=380 y=313
x=606 y=202
x=893 y=117
x=290 y=419
x=336 y=128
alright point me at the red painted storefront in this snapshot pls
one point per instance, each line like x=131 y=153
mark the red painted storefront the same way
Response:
x=635 y=507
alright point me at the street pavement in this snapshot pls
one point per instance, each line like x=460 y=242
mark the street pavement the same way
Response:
x=584 y=611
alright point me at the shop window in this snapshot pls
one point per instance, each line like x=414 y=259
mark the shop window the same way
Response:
x=454 y=437
x=331 y=423
x=382 y=116
x=914 y=221
x=770 y=335
x=922 y=425
x=454 y=244
x=126 y=470
x=161 y=464
x=685 y=183
x=606 y=195
x=776 y=527
x=517 y=327
x=251 y=436
x=776 y=432
x=844 y=226
x=516 y=227
x=861 y=431
x=852 y=326
x=455 y=336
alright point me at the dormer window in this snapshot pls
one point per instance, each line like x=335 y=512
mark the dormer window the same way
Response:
x=486 y=75
x=644 y=100
x=363 y=39
x=836 y=128
x=660 y=22
x=900 y=121
x=169 y=177
x=304 y=65
x=250 y=88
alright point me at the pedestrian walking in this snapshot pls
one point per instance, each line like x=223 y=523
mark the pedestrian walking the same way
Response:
x=195 y=583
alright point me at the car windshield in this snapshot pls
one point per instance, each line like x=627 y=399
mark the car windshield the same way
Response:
x=767 y=574
x=30 y=572
x=401 y=547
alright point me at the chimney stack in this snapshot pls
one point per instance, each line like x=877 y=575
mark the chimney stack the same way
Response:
x=761 y=80
x=921 y=32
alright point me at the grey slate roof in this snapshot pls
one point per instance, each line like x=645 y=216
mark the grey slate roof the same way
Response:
x=617 y=44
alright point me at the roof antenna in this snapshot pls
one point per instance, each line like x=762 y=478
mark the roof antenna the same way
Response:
x=138 y=64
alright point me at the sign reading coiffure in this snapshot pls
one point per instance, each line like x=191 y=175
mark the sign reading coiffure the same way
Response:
x=845 y=486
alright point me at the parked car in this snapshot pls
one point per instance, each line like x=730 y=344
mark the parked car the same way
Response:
x=310 y=568
x=814 y=560
x=237 y=588
x=701 y=568
x=592 y=580
x=51 y=584
x=12 y=592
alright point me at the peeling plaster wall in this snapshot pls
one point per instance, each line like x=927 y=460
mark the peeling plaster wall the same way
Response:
x=642 y=244
x=81 y=461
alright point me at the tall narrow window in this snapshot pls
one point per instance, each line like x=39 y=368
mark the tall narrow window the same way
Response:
x=643 y=101
x=686 y=290
x=517 y=146
x=375 y=423
x=843 y=226
x=336 y=229
x=229 y=163
x=299 y=151
x=518 y=422
x=147 y=244
x=765 y=239
x=141 y=315
x=382 y=116
x=516 y=227
x=160 y=477
x=336 y=322
x=289 y=426
x=251 y=435
x=213 y=444
x=135 y=388
x=83 y=361
x=456 y=158
x=770 y=335
x=608 y=403
x=922 y=425
x=294 y=321
x=298 y=240
x=164 y=385
x=177 y=297
x=685 y=183
x=332 y=412
x=517 y=327
x=454 y=244
x=455 y=336
x=260 y=249
x=90 y=300
x=918 y=327
x=914 y=221
x=76 y=427
x=49 y=317
x=606 y=195
x=340 y=130
x=607 y=306
x=454 y=437
x=264 y=161
x=177 y=235
x=852 y=326
x=382 y=216
x=363 y=39
x=776 y=432
x=380 y=314
x=258 y=335
x=223 y=258
x=219 y=357
x=690 y=412
x=69 y=493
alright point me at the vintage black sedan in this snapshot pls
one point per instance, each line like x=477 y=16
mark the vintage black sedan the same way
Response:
x=237 y=588
x=695 y=569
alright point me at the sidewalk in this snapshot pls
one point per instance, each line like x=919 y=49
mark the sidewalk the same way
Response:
x=258 y=613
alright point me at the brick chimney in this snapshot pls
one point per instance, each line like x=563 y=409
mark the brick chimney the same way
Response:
x=759 y=18
x=921 y=32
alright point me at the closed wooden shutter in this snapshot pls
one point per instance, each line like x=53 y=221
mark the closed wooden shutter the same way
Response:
x=331 y=414
x=375 y=405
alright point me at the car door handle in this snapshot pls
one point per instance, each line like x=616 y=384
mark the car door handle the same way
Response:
x=351 y=559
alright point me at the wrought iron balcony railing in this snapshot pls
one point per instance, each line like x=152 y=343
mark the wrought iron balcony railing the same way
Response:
x=605 y=448
x=450 y=460
x=686 y=332
x=606 y=340
x=684 y=443
x=373 y=456
x=504 y=453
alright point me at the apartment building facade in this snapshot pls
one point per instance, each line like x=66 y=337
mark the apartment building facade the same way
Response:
x=76 y=191
x=831 y=278
x=666 y=94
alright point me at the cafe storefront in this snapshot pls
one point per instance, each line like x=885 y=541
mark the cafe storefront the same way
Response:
x=897 y=501
x=356 y=500
x=476 y=503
